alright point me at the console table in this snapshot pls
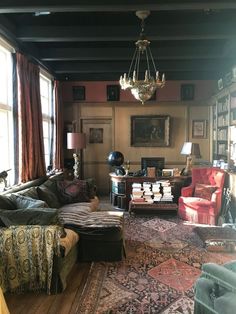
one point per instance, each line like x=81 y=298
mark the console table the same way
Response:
x=121 y=187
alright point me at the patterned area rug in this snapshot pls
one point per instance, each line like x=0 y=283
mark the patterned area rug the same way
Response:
x=164 y=258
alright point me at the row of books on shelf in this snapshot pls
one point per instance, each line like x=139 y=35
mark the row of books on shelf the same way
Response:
x=159 y=191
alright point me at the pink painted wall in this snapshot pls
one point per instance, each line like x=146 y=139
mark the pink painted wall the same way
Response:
x=97 y=91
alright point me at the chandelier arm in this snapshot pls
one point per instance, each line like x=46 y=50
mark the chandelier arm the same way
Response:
x=148 y=66
x=131 y=64
x=137 y=64
x=152 y=59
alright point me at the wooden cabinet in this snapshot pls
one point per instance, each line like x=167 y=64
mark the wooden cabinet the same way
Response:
x=121 y=187
x=224 y=126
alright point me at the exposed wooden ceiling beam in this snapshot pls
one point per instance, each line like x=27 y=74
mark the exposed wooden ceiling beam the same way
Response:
x=126 y=33
x=13 y=6
x=121 y=67
x=105 y=54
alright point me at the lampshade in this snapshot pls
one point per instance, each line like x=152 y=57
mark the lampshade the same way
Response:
x=76 y=140
x=190 y=148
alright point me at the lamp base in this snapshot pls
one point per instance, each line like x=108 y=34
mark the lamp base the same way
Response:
x=188 y=169
x=76 y=166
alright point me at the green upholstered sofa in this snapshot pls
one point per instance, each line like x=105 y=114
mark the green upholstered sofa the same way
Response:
x=21 y=213
x=67 y=211
x=215 y=290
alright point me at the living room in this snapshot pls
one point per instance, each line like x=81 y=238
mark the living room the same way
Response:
x=91 y=101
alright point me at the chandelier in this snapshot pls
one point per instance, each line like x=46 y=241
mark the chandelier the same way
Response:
x=142 y=90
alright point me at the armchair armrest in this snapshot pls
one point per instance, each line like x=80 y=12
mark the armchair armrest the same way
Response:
x=187 y=191
x=220 y=275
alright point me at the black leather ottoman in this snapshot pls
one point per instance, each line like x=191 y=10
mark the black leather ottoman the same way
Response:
x=101 y=234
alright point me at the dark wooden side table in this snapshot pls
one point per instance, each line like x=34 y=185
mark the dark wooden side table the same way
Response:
x=147 y=208
x=121 y=187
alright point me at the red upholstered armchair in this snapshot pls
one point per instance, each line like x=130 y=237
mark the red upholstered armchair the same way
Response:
x=201 y=201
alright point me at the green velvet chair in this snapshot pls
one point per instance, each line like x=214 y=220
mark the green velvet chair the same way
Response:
x=215 y=290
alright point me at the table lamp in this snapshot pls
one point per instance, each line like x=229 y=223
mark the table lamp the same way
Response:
x=76 y=141
x=190 y=149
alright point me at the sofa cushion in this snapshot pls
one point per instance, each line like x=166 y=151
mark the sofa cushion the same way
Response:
x=30 y=192
x=6 y=202
x=46 y=195
x=21 y=201
x=73 y=191
x=30 y=216
x=204 y=191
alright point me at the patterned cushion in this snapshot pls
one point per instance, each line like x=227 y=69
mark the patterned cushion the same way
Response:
x=73 y=191
x=204 y=191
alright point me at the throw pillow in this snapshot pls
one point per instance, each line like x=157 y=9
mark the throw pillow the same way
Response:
x=46 y=195
x=6 y=202
x=73 y=191
x=30 y=216
x=204 y=191
x=21 y=202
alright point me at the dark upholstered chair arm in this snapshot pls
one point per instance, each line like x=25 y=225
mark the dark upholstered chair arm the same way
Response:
x=220 y=275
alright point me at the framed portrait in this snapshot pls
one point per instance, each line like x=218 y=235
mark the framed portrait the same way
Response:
x=199 y=128
x=78 y=93
x=113 y=92
x=187 y=91
x=95 y=135
x=150 y=131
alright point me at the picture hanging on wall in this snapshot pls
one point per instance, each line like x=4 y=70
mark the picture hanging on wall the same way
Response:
x=150 y=131
x=199 y=128
x=113 y=92
x=95 y=135
x=78 y=93
x=187 y=91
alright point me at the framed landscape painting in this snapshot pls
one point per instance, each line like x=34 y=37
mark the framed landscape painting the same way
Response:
x=150 y=131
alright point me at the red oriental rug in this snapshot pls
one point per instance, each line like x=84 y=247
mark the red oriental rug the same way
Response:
x=164 y=258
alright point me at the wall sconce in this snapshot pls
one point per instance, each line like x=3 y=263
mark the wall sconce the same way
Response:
x=190 y=150
x=76 y=141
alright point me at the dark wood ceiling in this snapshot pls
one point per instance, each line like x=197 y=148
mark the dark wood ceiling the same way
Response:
x=84 y=40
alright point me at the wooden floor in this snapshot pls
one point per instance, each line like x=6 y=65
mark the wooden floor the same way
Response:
x=64 y=303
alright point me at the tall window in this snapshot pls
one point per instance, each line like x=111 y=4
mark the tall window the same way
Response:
x=48 y=121
x=6 y=116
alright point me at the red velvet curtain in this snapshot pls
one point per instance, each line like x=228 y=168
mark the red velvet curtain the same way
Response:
x=31 y=147
x=59 y=153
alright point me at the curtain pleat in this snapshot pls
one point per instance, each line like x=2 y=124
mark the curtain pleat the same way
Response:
x=59 y=155
x=31 y=146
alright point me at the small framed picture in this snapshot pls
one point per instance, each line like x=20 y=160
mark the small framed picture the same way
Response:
x=78 y=92
x=187 y=91
x=199 y=128
x=113 y=92
x=96 y=135
x=167 y=172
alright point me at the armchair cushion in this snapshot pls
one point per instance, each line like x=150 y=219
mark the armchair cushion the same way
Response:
x=215 y=290
x=220 y=275
x=204 y=191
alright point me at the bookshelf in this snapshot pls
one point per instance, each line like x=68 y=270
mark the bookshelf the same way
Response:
x=224 y=126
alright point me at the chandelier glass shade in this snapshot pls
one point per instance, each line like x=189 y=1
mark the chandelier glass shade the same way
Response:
x=142 y=89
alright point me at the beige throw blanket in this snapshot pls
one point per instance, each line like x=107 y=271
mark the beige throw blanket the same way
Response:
x=26 y=257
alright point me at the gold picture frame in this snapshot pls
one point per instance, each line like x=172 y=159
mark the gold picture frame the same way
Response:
x=199 y=129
